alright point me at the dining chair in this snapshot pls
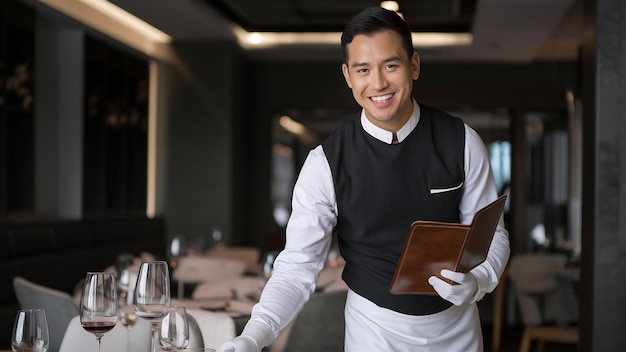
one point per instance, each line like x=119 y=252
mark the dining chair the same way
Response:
x=237 y=287
x=196 y=338
x=330 y=279
x=320 y=325
x=216 y=328
x=498 y=311
x=196 y=269
x=249 y=255
x=538 y=291
x=58 y=305
x=552 y=334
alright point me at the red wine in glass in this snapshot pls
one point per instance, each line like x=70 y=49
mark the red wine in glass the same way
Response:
x=98 y=327
x=98 y=304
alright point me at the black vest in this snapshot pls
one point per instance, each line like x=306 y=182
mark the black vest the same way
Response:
x=382 y=188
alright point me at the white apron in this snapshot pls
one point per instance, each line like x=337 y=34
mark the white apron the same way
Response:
x=372 y=328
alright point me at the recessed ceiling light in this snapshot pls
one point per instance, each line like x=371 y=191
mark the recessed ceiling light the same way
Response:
x=390 y=5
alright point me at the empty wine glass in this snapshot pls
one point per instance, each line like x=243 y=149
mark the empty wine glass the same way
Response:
x=126 y=301
x=174 y=330
x=175 y=250
x=268 y=263
x=128 y=318
x=152 y=294
x=98 y=304
x=30 y=331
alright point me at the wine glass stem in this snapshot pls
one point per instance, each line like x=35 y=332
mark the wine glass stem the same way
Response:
x=153 y=329
x=99 y=338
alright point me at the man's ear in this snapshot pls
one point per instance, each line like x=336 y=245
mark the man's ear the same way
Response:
x=346 y=75
x=415 y=65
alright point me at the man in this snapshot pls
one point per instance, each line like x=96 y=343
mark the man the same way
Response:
x=399 y=162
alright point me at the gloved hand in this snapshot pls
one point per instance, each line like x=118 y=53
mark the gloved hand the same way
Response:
x=255 y=335
x=459 y=294
x=240 y=343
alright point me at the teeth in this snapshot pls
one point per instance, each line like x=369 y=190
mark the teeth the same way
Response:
x=382 y=98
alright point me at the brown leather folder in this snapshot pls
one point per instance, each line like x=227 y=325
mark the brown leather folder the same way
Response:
x=431 y=246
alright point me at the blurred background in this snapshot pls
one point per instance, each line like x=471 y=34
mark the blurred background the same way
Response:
x=199 y=113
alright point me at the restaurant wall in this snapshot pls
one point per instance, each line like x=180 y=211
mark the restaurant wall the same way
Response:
x=201 y=182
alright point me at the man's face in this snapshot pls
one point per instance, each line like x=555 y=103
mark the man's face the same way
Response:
x=381 y=78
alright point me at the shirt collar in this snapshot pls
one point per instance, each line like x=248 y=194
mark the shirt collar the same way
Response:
x=386 y=136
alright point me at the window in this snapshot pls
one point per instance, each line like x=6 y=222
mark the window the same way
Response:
x=116 y=130
x=500 y=158
x=17 y=45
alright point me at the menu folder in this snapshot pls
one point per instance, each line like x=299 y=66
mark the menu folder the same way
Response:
x=431 y=246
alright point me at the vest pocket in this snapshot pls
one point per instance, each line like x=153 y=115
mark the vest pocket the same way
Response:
x=446 y=189
x=444 y=201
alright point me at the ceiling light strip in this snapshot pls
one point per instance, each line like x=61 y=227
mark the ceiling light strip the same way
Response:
x=262 y=40
x=117 y=24
x=137 y=24
x=132 y=31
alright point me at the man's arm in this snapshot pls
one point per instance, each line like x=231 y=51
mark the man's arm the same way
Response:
x=297 y=267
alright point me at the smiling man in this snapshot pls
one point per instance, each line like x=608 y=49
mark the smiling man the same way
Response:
x=380 y=73
x=398 y=162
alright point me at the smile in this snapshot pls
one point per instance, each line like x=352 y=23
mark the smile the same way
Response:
x=382 y=98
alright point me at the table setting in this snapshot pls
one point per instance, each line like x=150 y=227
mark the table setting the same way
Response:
x=129 y=306
x=121 y=311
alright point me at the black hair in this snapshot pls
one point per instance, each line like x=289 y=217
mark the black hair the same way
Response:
x=376 y=19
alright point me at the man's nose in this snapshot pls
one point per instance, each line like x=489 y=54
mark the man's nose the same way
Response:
x=379 y=81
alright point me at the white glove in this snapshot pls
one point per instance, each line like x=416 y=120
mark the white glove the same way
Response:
x=255 y=335
x=241 y=343
x=464 y=292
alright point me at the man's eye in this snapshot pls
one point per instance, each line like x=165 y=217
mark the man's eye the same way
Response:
x=391 y=66
x=362 y=70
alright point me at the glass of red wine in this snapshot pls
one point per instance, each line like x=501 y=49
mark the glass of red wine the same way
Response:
x=152 y=295
x=98 y=304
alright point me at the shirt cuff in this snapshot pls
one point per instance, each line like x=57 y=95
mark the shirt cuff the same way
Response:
x=483 y=282
x=260 y=332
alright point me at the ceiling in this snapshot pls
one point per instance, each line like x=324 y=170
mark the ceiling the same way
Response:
x=503 y=31
x=332 y=15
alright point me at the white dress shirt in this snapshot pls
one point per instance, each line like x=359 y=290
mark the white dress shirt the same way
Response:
x=314 y=215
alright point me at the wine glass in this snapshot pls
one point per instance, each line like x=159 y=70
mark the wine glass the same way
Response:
x=128 y=318
x=152 y=294
x=98 y=304
x=175 y=250
x=126 y=310
x=174 y=330
x=30 y=331
x=268 y=263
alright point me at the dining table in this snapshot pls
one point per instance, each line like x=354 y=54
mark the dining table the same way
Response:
x=234 y=296
x=238 y=310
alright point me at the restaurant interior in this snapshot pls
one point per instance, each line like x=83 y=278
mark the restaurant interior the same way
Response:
x=174 y=131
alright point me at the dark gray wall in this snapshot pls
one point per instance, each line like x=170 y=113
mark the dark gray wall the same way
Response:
x=602 y=289
x=201 y=131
